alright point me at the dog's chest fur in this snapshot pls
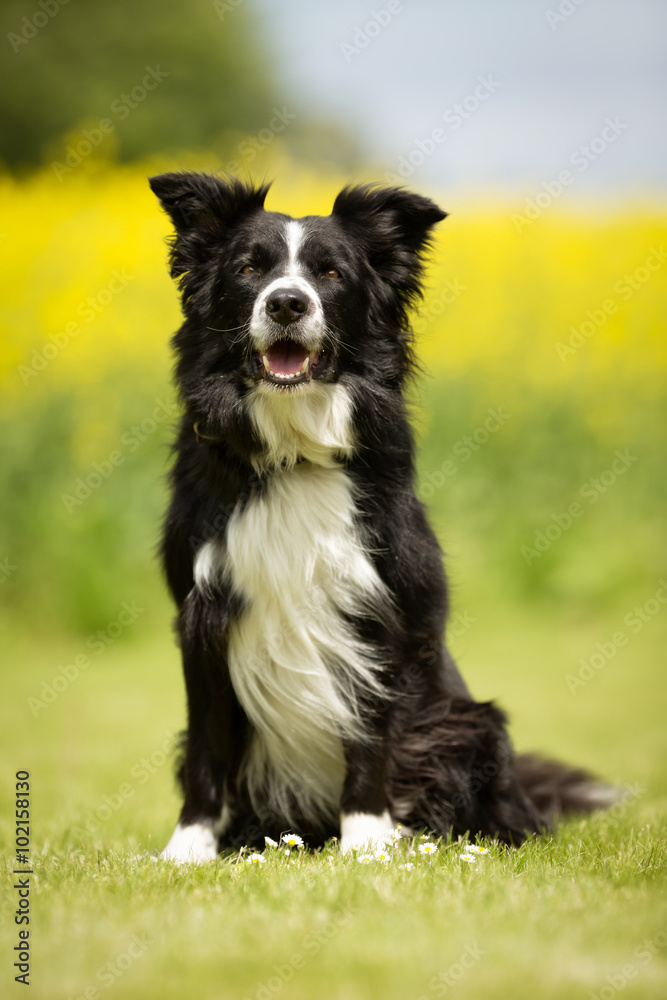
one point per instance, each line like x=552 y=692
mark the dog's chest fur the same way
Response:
x=294 y=555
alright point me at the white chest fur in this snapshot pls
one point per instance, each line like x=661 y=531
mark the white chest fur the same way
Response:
x=293 y=554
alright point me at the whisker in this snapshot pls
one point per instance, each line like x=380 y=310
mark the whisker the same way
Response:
x=229 y=329
x=245 y=330
x=330 y=328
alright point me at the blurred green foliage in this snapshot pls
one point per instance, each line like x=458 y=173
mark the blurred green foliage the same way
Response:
x=69 y=64
x=82 y=535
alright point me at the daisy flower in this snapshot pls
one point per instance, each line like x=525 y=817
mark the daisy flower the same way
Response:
x=292 y=839
x=473 y=849
x=269 y=842
x=257 y=859
x=365 y=859
x=407 y=867
x=382 y=856
x=427 y=848
x=467 y=856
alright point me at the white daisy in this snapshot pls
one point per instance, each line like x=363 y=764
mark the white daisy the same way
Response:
x=407 y=867
x=427 y=848
x=470 y=858
x=365 y=859
x=473 y=849
x=292 y=839
x=382 y=856
x=257 y=859
x=269 y=842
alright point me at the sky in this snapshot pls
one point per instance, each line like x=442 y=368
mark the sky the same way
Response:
x=482 y=95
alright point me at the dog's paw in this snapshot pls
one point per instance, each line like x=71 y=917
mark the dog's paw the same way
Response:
x=364 y=830
x=192 y=844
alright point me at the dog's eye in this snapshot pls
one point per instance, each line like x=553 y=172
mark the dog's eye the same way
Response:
x=331 y=273
x=249 y=269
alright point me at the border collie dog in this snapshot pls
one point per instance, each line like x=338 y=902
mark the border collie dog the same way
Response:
x=310 y=589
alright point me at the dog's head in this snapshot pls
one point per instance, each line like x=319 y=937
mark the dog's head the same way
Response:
x=280 y=304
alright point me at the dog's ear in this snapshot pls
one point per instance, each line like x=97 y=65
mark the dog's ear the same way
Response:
x=394 y=226
x=405 y=217
x=203 y=208
x=204 y=201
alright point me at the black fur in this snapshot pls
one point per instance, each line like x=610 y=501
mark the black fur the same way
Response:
x=438 y=759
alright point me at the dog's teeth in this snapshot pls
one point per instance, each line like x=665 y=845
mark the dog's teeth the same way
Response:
x=306 y=365
x=266 y=362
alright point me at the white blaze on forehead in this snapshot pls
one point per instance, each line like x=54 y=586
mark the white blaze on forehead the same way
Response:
x=311 y=326
x=294 y=236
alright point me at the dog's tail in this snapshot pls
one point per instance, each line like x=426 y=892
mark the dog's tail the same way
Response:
x=556 y=790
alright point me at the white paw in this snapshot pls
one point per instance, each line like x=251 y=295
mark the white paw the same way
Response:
x=193 y=844
x=363 y=830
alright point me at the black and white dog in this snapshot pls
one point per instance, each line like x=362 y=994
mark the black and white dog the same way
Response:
x=310 y=588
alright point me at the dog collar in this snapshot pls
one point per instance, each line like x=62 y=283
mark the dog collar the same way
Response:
x=200 y=436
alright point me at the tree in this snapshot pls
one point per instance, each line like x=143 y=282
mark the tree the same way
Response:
x=168 y=76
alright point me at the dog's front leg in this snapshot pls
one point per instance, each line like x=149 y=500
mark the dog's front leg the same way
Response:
x=209 y=738
x=365 y=820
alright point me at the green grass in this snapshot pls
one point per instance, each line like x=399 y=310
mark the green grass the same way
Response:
x=553 y=919
x=526 y=473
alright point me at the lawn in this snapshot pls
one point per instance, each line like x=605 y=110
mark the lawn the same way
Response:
x=573 y=914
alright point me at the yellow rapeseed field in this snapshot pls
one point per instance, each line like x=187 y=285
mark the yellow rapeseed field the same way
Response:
x=565 y=304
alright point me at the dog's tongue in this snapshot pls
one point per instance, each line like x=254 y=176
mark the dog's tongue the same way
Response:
x=286 y=358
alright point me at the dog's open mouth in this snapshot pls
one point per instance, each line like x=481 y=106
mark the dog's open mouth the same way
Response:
x=287 y=363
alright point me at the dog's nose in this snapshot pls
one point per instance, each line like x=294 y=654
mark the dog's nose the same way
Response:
x=286 y=305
